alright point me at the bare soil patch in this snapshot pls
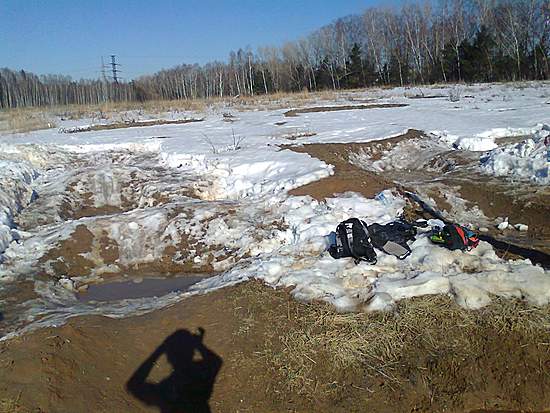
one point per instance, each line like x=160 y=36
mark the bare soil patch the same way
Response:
x=296 y=112
x=69 y=255
x=281 y=355
x=346 y=177
x=130 y=124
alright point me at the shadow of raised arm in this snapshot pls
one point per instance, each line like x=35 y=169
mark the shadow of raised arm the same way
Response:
x=189 y=387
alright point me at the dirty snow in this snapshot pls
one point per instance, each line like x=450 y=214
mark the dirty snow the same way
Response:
x=269 y=235
x=16 y=192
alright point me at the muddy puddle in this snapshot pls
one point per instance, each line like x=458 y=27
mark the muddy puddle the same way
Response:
x=139 y=288
x=99 y=218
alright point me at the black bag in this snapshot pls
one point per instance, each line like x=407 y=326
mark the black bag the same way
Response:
x=392 y=238
x=352 y=240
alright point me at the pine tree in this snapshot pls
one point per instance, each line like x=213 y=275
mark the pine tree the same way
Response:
x=355 y=77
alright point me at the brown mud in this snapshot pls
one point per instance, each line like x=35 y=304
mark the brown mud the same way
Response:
x=346 y=177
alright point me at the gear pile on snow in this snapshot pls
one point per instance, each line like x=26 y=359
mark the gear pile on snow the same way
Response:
x=354 y=238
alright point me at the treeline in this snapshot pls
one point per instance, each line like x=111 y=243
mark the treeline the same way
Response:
x=423 y=42
x=21 y=89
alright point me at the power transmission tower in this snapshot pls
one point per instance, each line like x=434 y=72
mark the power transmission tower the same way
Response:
x=103 y=67
x=114 y=69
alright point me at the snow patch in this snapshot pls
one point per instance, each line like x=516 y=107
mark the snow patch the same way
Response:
x=528 y=160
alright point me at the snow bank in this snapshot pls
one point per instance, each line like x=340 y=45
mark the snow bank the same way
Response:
x=250 y=172
x=151 y=146
x=475 y=143
x=470 y=278
x=529 y=159
x=483 y=141
x=16 y=177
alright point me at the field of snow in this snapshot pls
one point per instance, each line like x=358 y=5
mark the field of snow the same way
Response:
x=239 y=166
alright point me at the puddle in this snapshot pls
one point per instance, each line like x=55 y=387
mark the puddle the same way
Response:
x=140 y=288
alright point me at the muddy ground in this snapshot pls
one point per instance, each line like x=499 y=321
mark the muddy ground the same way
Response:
x=346 y=177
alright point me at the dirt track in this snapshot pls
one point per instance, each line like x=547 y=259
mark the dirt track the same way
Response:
x=296 y=112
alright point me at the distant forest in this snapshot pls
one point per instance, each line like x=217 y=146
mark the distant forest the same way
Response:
x=418 y=43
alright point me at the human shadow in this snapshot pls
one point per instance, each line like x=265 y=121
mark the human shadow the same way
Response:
x=189 y=387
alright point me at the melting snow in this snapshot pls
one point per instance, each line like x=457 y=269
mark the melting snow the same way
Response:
x=252 y=180
x=529 y=159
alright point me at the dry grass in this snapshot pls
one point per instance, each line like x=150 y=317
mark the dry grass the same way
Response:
x=115 y=110
x=313 y=349
x=374 y=341
x=10 y=406
x=284 y=100
x=24 y=120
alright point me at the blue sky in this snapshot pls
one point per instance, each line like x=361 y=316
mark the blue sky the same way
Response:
x=70 y=36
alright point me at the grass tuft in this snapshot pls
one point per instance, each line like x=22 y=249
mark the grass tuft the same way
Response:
x=10 y=406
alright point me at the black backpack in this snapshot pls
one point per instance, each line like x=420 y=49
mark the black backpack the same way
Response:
x=353 y=240
x=392 y=238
